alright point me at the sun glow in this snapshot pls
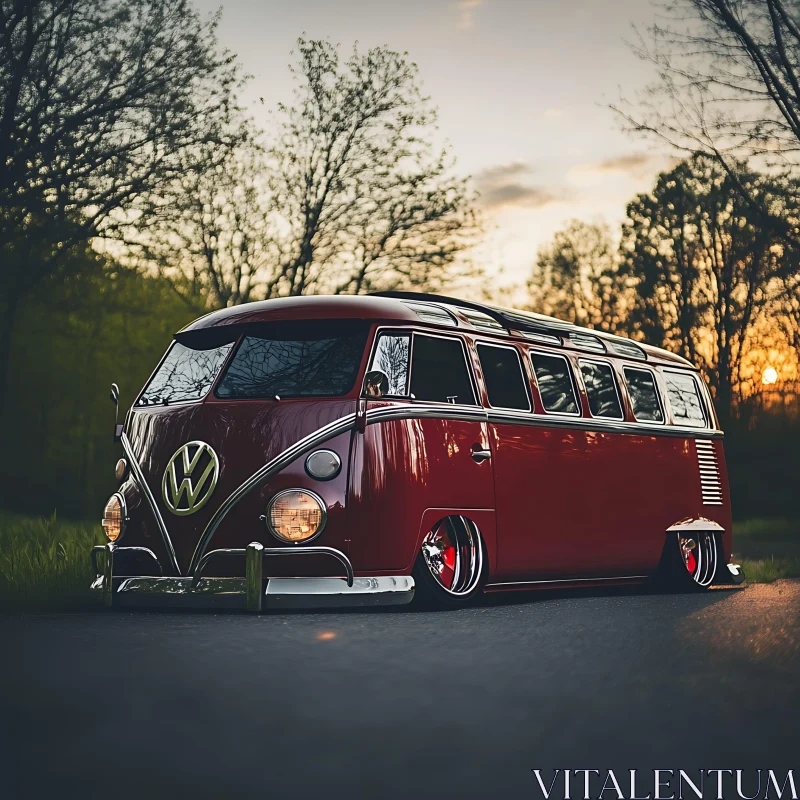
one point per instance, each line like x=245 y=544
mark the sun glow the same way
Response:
x=770 y=376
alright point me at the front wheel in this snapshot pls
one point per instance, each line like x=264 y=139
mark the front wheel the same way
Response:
x=691 y=560
x=451 y=563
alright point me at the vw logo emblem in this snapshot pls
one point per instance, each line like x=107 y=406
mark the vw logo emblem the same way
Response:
x=190 y=478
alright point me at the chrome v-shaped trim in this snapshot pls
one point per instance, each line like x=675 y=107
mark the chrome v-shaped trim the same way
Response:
x=151 y=501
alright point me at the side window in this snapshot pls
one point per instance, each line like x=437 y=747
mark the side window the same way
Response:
x=601 y=389
x=391 y=358
x=644 y=395
x=439 y=371
x=505 y=382
x=554 y=378
x=684 y=400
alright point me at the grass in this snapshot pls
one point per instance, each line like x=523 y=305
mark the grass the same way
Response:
x=44 y=562
x=767 y=529
x=768 y=570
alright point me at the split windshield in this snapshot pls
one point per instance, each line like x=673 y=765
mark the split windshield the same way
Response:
x=280 y=359
x=295 y=362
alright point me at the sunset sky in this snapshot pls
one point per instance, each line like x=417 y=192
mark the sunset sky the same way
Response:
x=521 y=86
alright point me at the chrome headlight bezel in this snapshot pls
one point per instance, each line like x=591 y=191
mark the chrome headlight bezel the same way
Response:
x=123 y=511
x=323 y=515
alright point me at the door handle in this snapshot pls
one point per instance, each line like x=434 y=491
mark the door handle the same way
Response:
x=479 y=454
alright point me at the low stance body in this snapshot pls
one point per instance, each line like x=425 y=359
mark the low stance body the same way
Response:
x=353 y=450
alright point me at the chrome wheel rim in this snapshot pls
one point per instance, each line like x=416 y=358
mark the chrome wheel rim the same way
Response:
x=454 y=556
x=699 y=556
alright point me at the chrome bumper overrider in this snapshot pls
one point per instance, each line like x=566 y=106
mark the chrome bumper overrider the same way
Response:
x=254 y=592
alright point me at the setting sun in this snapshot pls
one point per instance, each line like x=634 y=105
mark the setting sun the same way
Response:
x=770 y=376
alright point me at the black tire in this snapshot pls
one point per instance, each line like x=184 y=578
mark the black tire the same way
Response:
x=690 y=561
x=441 y=584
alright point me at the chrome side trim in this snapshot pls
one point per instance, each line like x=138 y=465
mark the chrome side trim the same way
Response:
x=565 y=580
x=151 y=501
x=594 y=424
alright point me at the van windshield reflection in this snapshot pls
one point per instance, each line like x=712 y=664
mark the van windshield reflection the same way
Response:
x=325 y=365
x=185 y=374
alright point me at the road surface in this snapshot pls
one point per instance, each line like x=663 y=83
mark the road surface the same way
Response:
x=399 y=704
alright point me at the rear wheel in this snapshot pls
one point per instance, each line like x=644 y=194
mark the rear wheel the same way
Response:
x=691 y=560
x=449 y=568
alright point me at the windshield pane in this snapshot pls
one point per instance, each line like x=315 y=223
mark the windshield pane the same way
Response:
x=184 y=375
x=324 y=365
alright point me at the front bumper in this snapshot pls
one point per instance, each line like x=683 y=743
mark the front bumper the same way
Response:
x=254 y=592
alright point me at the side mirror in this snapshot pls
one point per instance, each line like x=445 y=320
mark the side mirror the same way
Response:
x=114 y=396
x=376 y=384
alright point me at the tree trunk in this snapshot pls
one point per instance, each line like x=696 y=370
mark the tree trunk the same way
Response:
x=6 y=334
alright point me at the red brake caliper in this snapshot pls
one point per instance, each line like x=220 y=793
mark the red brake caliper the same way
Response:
x=448 y=555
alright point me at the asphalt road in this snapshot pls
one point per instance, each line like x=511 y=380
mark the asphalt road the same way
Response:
x=398 y=704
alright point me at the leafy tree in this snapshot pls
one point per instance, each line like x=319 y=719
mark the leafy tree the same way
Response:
x=705 y=265
x=100 y=101
x=74 y=337
x=576 y=277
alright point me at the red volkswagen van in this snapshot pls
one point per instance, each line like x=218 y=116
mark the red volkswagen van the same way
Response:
x=319 y=451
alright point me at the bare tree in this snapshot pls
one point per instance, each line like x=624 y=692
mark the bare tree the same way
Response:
x=366 y=200
x=209 y=231
x=99 y=101
x=729 y=79
x=350 y=197
x=576 y=277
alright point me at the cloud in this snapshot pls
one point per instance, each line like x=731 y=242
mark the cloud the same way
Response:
x=553 y=113
x=637 y=165
x=505 y=185
x=466 y=18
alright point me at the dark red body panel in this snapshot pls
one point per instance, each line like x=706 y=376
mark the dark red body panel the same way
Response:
x=402 y=469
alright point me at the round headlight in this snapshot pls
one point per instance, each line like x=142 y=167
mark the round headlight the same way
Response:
x=296 y=515
x=121 y=470
x=114 y=517
x=323 y=465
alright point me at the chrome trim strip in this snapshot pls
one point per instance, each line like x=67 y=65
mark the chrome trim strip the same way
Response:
x=151 y=501
x=566 y=580
x=594 y=424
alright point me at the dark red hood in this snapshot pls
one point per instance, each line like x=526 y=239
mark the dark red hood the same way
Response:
x=244 y=435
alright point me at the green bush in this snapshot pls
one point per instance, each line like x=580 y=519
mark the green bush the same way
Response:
x=771 y=569
x=45 y=563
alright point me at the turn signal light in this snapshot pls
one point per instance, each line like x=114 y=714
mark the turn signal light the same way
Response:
x=296 y=515
x=113 y=521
